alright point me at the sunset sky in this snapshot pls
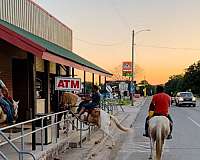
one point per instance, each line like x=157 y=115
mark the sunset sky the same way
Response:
x=102 y=33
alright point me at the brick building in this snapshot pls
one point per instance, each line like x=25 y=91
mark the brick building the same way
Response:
x=34 y=48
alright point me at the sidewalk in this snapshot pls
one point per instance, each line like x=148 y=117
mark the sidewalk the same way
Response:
x=100 y=145
x=64 y=143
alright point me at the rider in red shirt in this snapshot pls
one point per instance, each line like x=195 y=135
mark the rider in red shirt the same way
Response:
x=160 y=107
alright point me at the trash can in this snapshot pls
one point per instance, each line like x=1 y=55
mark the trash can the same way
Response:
x=47 y=132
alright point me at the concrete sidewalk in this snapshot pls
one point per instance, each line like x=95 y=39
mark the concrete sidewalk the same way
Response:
x=100 y=144
x=65 y=143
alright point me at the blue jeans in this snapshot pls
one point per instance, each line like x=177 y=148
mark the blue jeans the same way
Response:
x=8 y=107
x=90 y=105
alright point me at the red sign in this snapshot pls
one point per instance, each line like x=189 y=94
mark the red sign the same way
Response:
x=127 y=69
x=67 y=84
x=127 y=66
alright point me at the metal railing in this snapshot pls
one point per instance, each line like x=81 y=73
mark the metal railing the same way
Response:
x=20 y=152
x=69 y=118
x=55 y=121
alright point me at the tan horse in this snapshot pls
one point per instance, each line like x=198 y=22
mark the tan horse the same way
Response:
x=68 y=101
x=159 y=129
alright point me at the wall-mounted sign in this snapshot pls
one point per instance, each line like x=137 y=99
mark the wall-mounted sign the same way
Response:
x=67 y=84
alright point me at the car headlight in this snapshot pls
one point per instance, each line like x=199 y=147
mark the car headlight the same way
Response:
x=193 y=99
x=180 y=99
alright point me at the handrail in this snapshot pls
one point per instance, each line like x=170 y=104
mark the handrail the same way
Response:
x=41 y=128
x=15 y=148
x=32 y=120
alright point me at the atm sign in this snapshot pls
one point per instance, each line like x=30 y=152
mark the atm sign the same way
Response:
x=67 y=84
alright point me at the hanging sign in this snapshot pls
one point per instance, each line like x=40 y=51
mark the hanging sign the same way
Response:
x=67 y=84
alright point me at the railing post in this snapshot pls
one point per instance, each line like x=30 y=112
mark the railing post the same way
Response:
x=21 y=157
x=57 y=129
x=42 y=126
x=80 y=134
x=89 y=133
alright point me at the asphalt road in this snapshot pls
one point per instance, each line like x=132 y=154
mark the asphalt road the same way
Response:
x=184 y=145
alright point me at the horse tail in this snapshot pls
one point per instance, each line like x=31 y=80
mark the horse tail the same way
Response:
x=158 y=143
x=122 y=128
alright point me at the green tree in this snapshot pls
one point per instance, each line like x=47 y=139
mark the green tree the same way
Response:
x=174 y=84
x=192 y=78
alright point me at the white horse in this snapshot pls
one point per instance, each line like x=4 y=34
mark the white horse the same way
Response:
x=159 y=129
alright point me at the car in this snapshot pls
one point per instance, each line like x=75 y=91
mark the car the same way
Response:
x=185 y=98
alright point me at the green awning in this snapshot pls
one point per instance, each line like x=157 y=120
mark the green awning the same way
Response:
x=53 y=48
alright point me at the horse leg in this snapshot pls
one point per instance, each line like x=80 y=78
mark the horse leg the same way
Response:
x=151 y=147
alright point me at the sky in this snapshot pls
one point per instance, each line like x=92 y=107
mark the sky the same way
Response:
x=102 y=33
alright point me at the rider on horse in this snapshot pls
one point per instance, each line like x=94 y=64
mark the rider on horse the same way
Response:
x=5 y=103
x=159 y=107
x=95 y=101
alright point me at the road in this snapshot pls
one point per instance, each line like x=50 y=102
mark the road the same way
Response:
x=184 y=145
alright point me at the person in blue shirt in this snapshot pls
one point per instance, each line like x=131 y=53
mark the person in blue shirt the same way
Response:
x=93 y=103
x=5 y=103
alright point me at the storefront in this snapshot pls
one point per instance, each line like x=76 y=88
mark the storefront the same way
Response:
x=33 y=63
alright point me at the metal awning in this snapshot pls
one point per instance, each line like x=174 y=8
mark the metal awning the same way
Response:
x=45 y=49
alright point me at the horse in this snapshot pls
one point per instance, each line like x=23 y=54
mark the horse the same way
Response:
x=70 y=100
x=94 y=117
x=159 y=129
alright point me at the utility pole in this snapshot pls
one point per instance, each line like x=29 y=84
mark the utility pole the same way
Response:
x=132 y=77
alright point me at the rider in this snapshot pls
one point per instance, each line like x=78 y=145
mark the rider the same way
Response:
x=5 y=103
x=95 y=101
x=159 y=107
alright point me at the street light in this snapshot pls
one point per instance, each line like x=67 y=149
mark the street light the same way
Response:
x=133 y=41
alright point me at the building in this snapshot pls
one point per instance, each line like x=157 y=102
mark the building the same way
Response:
x=35 y=47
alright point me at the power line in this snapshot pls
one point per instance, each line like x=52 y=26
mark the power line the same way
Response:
x=105 y=44
x=118 y=12
x=166 y=47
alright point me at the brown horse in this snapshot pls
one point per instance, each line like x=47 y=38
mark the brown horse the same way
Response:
x=68 y=101
x=94 y=117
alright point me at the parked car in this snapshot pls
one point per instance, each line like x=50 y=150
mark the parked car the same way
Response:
x=185 y=98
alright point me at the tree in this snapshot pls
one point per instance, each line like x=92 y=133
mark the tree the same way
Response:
x=174 y=84
x=190 y=80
